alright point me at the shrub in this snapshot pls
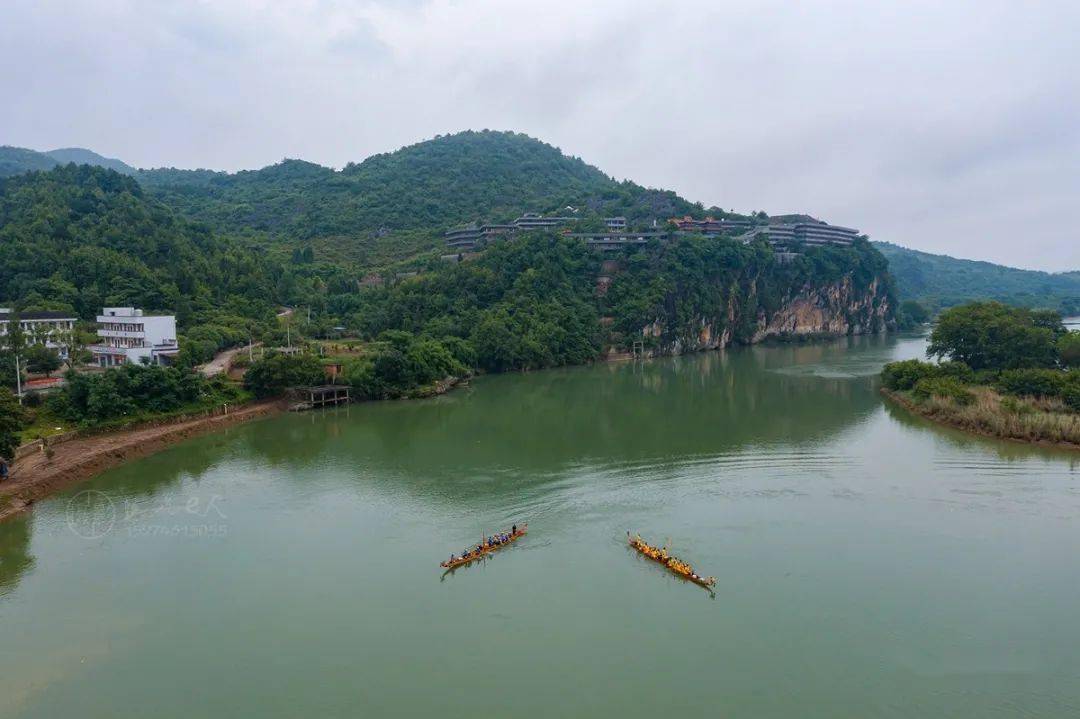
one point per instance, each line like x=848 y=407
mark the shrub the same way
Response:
x=1071 y=397
x=1069 y=349
x=403 y=364
x=956 y=370
x=429 y=360
x=360 y=374
x=985 y=377
x=126 y=391
x=904 y=375
x=943 y=387
x=1032 y=382
x=461 y=350
x=12 y=419
x=277 y=372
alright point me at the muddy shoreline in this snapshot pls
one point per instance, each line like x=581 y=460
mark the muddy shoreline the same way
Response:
x=37 y=476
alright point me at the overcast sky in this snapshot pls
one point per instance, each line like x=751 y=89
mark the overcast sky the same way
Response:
x=949 y=127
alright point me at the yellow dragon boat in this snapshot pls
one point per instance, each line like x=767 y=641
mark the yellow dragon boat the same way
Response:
x=674 y=564
x=483 y=549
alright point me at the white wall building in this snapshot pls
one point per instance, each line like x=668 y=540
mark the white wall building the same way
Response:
x=128 y=335
x=54 y=328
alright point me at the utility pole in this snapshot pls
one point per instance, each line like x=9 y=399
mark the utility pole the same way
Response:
x=251 y=355
x=288 y=334
x=18 y=380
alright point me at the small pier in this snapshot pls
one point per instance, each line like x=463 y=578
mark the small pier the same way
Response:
x=305 y=398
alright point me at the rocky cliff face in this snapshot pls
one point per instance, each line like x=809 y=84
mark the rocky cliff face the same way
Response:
x=834 y=309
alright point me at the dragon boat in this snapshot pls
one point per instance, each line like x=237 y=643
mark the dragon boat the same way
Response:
x=483 y=549
x=674 y=564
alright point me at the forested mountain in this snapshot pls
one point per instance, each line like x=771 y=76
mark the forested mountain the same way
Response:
x=17 y=160
x=395 y=204
x=430 y=185
x=82 y=156
x=940 y=281
x=534 y=302
x=80 y=237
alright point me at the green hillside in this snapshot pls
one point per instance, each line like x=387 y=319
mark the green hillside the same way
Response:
x=434 y=184
x=393 y=205
x=82 y=156
x=80 y=237
x=939 y=281
x=17 y=160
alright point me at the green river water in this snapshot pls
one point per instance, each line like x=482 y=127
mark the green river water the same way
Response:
x=870 y=564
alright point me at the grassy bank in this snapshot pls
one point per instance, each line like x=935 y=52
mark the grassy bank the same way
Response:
x=987 y=412
x=44 y=422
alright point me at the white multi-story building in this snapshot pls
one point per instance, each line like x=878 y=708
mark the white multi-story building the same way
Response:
x=128 y=335
x=51 y=328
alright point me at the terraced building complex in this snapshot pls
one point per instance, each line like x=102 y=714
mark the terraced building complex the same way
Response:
x=805 y=233
x=463 y=238
x=783 y=236
x=710 y=225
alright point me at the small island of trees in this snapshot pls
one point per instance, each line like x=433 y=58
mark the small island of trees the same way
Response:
x=1009 y=372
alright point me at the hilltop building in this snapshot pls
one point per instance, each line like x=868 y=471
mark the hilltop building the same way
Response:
x=463 y=236
x=615 y=240
x=470 y=236
x=534 y=221
x=490 y=231
x=800 y=229
x=129 y=335
x=709 y=225
x=806 y=233
x=51 y=328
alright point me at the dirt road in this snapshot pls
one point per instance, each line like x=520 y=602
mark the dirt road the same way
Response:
x=222 y=361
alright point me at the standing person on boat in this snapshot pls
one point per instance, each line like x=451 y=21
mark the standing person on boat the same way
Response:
x=513 y=529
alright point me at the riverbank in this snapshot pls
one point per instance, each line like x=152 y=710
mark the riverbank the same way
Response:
x=38 y=475
x=1020 y=419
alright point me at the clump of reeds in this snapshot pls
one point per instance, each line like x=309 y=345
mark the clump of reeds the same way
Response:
x=1025 y=418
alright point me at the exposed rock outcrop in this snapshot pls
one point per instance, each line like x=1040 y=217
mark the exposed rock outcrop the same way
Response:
x=834 y=309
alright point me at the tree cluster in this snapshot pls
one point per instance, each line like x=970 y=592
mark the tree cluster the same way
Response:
x=401 y=363
x=133 y=391
x=12 y=419
x=277 y=372
x=1017 y=351
x=992 y=335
